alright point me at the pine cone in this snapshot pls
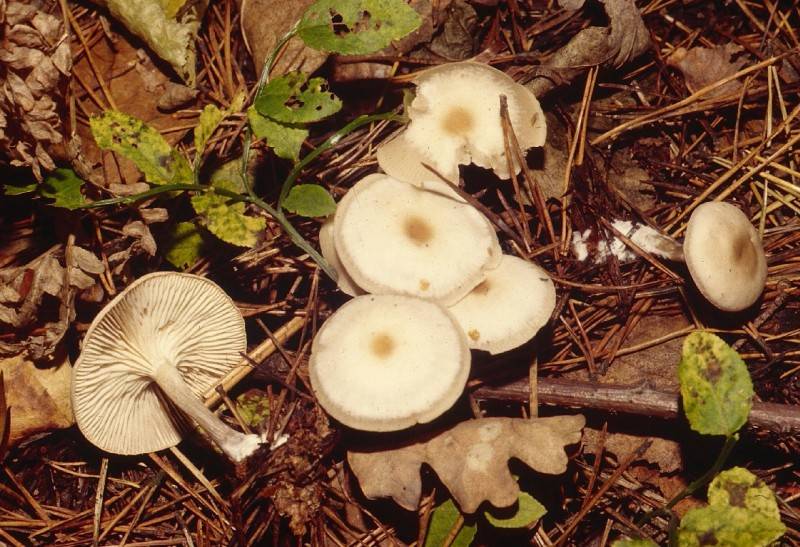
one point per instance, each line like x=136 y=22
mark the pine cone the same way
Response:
x=35 y=65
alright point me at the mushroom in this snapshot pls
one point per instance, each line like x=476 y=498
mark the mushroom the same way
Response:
x=387 y=362
x=392 y=237
x=455 y=120
x=159 y=344
x=508 y=307
x=329 y=253
x=722 y=251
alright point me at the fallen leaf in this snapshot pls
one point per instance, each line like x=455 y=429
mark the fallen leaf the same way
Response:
x=175 y=96
x=471 y=460
x=703 y=66
x=38 y=398
x=457 y=38
x=664 y=453
x=624 y=39
x=264 y=22
x=171 y=38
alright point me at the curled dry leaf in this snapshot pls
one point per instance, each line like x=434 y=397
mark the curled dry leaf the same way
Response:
x=471 y=459
x=38 y=398
x=624 y=39
x=35 y=63
x=703 y=66
x=23 y=298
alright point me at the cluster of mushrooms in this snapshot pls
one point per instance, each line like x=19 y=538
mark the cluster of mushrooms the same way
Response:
x=425 y=268
x=428 y=278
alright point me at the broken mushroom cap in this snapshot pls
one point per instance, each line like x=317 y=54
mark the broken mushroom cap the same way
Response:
x=455 y=120
x=387 y=362
x=395 y=238
x=508 y=307
x=159 y=344
x=328 y=248
x=725 y=256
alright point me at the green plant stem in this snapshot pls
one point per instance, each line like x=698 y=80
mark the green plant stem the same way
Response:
x=125 y=200
x=722 y=457
x=364 y=119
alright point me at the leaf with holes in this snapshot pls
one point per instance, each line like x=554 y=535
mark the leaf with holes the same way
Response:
x=443 y=520
x=293 y=98
x=223 y=216
x=527 y=511
x=356 y=27
x=715 y=385
x=185 y=245
x=143 y=145
x=64 y=187
x=284 y=139
x=309 y=200
x=741 y=512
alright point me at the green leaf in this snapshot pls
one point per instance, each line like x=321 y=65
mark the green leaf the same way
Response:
x=293 y=98
x=253 y=407
x=528 y=511
x=356 y=27
x=64 y=187
x=715 y=385
x=309 y=200
x=222 y=217
x=634 y=543
x=143 y=145
x=741 y=512
x=185 y=245
x=16 y=188
x=443 y=520
x=209 y=121
x=285 y=140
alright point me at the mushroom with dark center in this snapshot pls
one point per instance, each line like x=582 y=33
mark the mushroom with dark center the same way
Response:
x=163 y=341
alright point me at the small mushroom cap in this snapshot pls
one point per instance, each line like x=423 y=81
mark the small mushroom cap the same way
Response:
x=508 y=308
x=725 y=256
x=455 y=120
x=395 y=238
x=387 y=362
x=328 y=248
x=160 y=318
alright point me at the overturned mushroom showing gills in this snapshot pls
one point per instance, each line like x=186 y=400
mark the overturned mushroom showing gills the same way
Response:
x=158 y=345
x=725 y=256
x=387 y=362
x=395 y=238
x=455 y=120
x=508 y=307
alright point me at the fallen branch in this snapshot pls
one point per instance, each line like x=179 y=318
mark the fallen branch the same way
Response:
x=639 y=400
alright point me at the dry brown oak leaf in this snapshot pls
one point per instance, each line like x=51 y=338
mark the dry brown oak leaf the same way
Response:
x=703 y=66
x=471 y=460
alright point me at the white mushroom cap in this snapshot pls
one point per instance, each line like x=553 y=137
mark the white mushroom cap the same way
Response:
x=387 y=362
x=395 y=238
x=455 y=120
x=167 y=336
x=329 y=253
x=725 y=256
x=508 y=308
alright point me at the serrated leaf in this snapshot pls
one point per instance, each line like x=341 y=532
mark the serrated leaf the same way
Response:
x=222 y=217
x=64 y=187
x=715 y=385
x=356 y=27
x=741 y=512
x=143 y=145
x=285 y=140
x=253 y=408
x=209 y=121
x=293 y=98
x=18 y=188
x=443 y=519
x=309 y=200
x=185 y=245
x=634 y=543
x=528 y=510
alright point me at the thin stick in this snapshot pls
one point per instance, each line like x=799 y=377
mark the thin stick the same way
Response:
x=98 y=501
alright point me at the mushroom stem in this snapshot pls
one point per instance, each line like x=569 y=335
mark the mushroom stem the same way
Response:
x=237 y=446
